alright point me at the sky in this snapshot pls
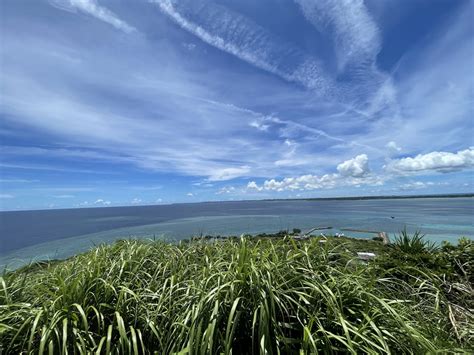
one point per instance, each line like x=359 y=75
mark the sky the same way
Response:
x=115 y=102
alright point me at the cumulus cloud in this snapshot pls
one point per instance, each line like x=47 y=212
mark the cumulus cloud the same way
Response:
x=314 y=182
x=252 y=185
x=136 y=201
x=435 y=162
x=226 y=190
x=352 y=172
x=190 y=194
x=356 y=167
x=91 y=7
x=102 y=202
x=6 y=196
x=304 y=182
x=416 y=185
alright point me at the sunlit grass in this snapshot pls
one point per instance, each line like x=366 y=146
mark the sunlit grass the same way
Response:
x=232 y=296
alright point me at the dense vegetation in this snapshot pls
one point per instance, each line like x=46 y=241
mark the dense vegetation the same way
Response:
x=244 y=295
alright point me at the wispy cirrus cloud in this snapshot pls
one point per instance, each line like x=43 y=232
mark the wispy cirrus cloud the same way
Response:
x=92 y=7
x=238 y=35
x=18 y=181
x=357 y=41
x=356 y=36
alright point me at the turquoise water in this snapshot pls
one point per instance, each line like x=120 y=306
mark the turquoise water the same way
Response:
x=37 y=235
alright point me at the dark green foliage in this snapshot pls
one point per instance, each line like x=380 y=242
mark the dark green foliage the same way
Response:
x=460 y=258
x=240 y=295
x=415 y=244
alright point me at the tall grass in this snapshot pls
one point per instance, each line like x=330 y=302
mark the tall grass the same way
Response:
x=232 y=296
x=415 y=244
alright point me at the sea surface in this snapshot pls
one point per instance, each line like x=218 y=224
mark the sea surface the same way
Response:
x=27 y=236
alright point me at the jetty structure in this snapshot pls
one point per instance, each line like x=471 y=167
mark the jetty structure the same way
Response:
x=365 y=256
x=382 y=235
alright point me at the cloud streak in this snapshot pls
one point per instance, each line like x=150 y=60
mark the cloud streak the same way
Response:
x=241 y=37
x=356 y=35
x=92 y=8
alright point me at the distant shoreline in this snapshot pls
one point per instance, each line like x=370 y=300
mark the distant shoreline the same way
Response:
x=343 y=198
x=383 y=197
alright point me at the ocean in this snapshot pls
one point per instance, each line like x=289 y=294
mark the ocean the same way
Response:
x=27 y=236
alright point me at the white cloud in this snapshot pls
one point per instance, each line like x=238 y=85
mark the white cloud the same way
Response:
x=63 y=196
x=190 y=194
x=304 y=182
x=252 y=185
x=259 y=126
x=392 y=146
x=353 y=172
x=243 y=38
x=434 y=161
x=357 y=36
x=314 y=182
x=136 y=201
x=17 y=181
x=226 y=190
x=102 y=202
x=416 y=185
x=91 y=7
x=357 y=41
x=356 y=167
x=228 y=173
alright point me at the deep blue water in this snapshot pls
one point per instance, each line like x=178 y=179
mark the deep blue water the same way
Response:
x=33 y=235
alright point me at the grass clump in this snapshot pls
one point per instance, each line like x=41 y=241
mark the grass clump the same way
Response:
x=414 y=244
x=237 y=296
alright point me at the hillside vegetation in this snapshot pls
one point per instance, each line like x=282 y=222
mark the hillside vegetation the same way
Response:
x=242 y=296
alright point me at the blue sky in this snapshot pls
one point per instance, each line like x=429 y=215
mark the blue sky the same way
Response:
x=114 y=102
